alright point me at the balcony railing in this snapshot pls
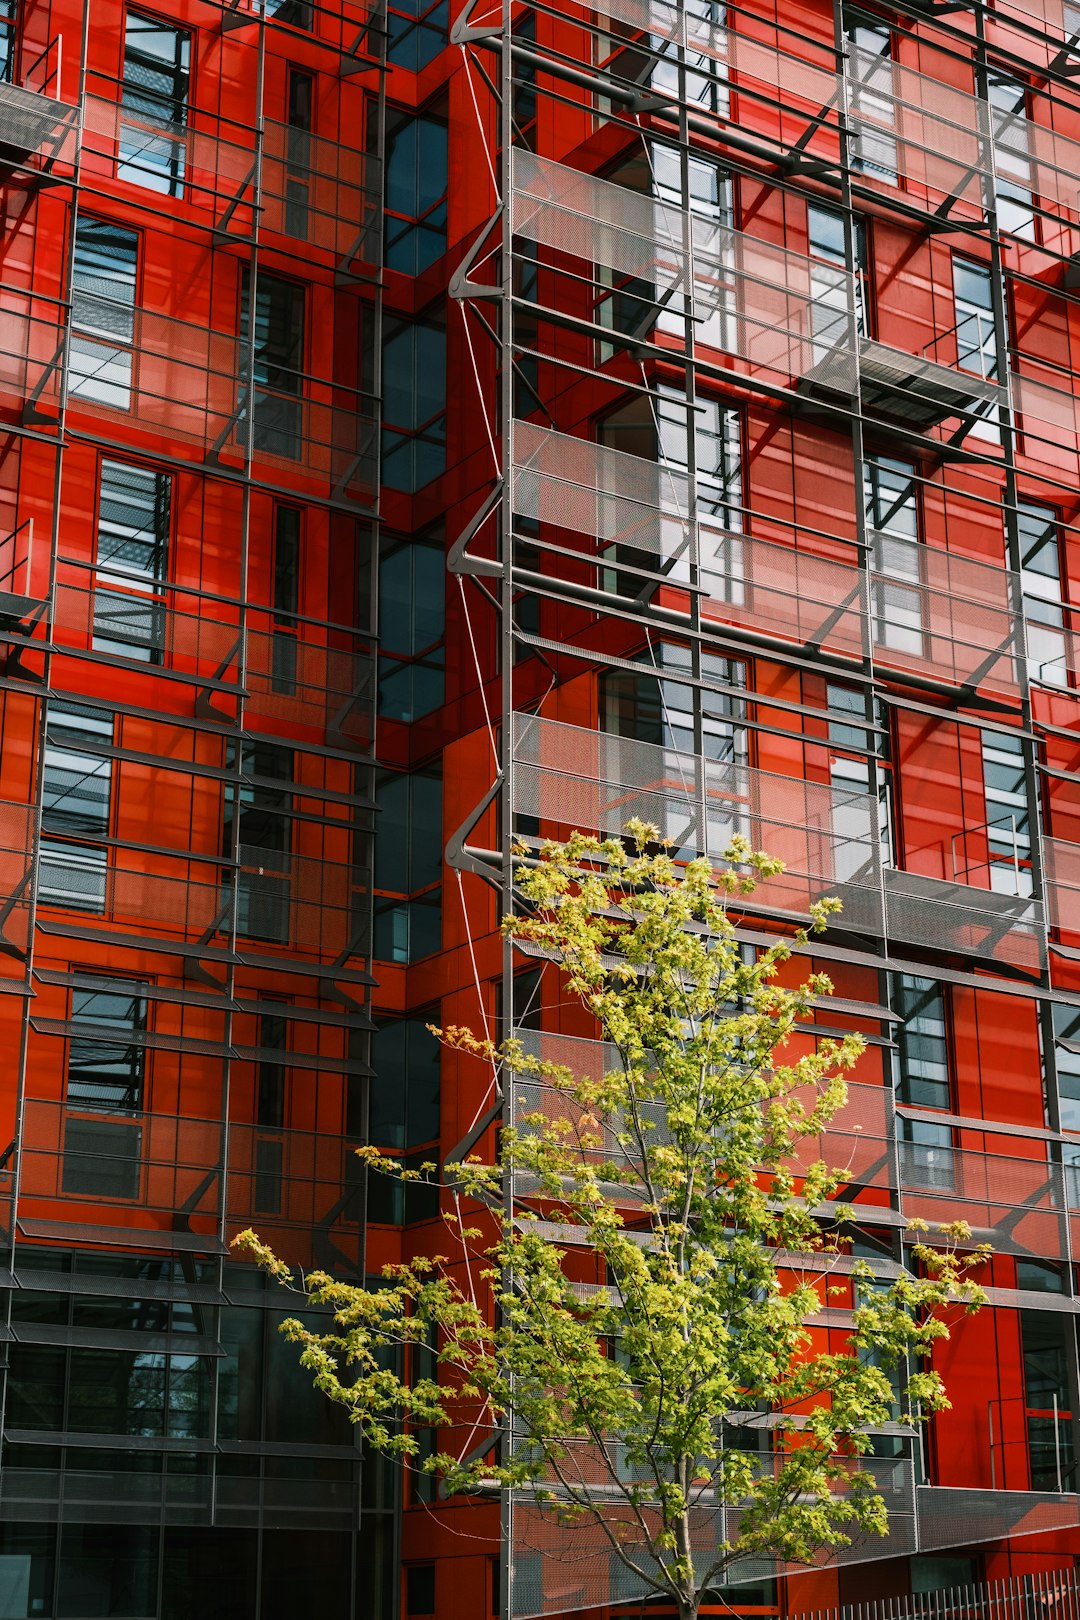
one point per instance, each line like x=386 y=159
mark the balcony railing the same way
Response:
x=934 y=613
x=829 y=838
x=311 y=189
x=140 y=372
x=149 y=1171
x=302 y=676
x=567 y=776
x=858 y=1140
x=284 y=905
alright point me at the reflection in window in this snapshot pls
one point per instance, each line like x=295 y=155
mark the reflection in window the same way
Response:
x=667 y=713
x=416 y=185
x=830 y=315
x=408 y=865
x=404 y=1106
x=417 y=32
x=132 y=559
x=871 y=99
x=1048 y=645
x=76 y=797
x=1066 y=1021
x=414 y=405
x=106 y=1060
x=278 y=361
x=1049 y=1345
x=892 y=520
x=1013 y=168
x=104 y=262
x=922 y=1048
x=412 y=625
x=1008 y=830
x=154 y=103
x=257 y=829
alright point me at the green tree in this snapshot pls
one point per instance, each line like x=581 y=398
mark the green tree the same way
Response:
x=682 y=1178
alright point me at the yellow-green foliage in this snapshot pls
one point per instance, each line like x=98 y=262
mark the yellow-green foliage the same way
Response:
x=674 y=1166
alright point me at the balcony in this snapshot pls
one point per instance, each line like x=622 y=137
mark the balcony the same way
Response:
x=569 y=777
x=149 y=1180
x=313 y=190
x=906 y=388
x=39 y=133
x=285 y=908
x=307 y=679
x=1017 y=1204
x=932 y=613
x=791 y=319
x=859 y=1138
x=142 y=374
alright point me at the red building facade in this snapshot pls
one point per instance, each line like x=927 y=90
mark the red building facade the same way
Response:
x=644 y=410
x=756 y=476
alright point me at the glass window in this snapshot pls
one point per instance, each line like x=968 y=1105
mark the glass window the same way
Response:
x=927 y=1158
x=416 y=186
x=1012 y=153
x=26 y=1569
x=9 y=19
x=871 y=103
x=280 y=314
x=106 y=1569
x=133 y=529
x=106 y=1069
x=932 y=1574
x=404 y=1106
x=104 y=264
x=297 y=13
x=890 y=494
x=102 y=1158
x=76 y=800
x=650 y=709
x=829 y=311
x=1048 y=646
x=414 y=405
x=154 y=102
x=412 y=624
x=706 y=67
x=850 y=773
x=922 y=1048
x=408 y=864
x=1040 y=1276
x=417 y=32
x=1066 y=1022
x=976 y=348
x=1008 y=834
x=257 y=829
x=1048 y=1344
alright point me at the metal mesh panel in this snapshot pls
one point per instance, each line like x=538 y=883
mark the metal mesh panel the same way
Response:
x=858 y=1139
x=561 y=1568
x=30 y=121
x=951 y=1517
x=212 y=170
x=959 y=917
x=594 y=219
x=945 y=615
x=300 y=1182
x=1019 y=1202
x=777 y=309
x=576 y=484
x=1061 y=871
x=827 y=838
x=787 y=590
x=910 y=125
